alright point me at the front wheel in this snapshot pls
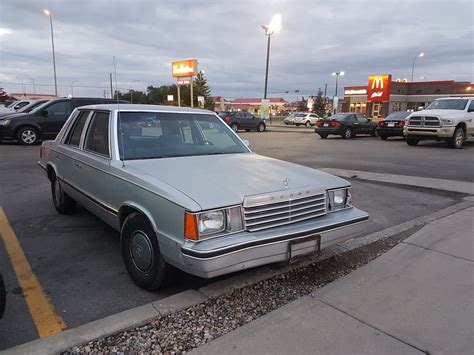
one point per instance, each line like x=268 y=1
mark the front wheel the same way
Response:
x=323 y=135
x=374 y=133
x=458 y=139
x=235 y=127
x=348 y=133
x=261 y=127
x=411 y=141
x=28 y=136
x=307 y=124
x=384 y=138
x=62 y=202
x=141 y=253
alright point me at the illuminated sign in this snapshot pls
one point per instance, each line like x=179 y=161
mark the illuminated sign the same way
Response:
x=379 y=88
x=184 y=68
x=184 y=81
x=355 y=92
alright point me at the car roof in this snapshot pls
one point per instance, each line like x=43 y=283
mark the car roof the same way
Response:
x=152 y=108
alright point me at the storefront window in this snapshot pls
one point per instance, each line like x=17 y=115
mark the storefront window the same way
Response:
x=360 y=107
x=396 y=106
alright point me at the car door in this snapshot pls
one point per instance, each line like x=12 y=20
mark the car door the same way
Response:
x=52 y=118
x=251 y=121
x=470 y=118
x=241 y=120
x=363 y=125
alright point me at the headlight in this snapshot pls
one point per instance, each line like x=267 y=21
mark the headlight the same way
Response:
x=339 y=199
x=203 y=225
x=5 y=122
x=447 y=121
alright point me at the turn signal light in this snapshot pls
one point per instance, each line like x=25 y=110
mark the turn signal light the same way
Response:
x=190 y=226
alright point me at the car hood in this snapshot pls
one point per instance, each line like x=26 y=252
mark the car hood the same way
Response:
x=214 y=181
x=439 y=113
x=11 y=115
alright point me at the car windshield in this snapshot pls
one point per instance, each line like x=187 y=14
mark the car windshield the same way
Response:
x=153 y=135
x=397 y=116
x=451 y=104
x=339 y=117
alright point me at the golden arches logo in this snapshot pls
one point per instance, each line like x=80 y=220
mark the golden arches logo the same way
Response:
x=377 y=83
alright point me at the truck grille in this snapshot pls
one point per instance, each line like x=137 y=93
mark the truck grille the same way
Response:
x=422 y=121
x=282 y=208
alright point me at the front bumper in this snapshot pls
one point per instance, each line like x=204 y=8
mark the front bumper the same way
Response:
x=6 y=133
x=219 y=256
x=428 y=132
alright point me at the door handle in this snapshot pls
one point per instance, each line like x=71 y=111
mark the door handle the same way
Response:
x=78 y=166
x=58 y=156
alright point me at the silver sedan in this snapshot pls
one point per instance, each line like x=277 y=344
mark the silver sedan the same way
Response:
x=183 y=189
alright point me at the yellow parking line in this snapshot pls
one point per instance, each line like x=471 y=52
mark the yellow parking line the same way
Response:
x=42 y=311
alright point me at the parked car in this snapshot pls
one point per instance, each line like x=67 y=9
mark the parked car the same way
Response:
x=392 y=125
x=243 y=120
x=42 y=123
x=188 y=192
x=302 y=118
x=25 y=109
x=449 y=119
x=15 y=106
x=346 y=125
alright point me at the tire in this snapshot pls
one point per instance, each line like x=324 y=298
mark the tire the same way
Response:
x=247 y=130
x=323 y=135
x=235 y=127
x=141 y=253
x=27 y=136
x=458 y=139
x=308 y=124
x=348 y=133
x=411 y=141
x=261 y=127
x=384 y=138
x=62 y=202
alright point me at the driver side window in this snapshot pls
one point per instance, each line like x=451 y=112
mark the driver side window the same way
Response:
x=362 y=119
x=471 y=106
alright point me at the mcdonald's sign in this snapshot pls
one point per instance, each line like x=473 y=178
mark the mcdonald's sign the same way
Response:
x=378 y=89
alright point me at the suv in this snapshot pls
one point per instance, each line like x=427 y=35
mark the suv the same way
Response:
x=449 y=119
x=302 y=118
x=44 y=122
x=242 y=120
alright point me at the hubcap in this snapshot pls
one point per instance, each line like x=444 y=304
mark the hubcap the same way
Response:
x=348 y=133
x=459 y=138
x=141 y=252
x=28 y=136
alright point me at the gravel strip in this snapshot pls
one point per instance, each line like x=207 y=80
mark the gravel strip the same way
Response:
x=184 y=330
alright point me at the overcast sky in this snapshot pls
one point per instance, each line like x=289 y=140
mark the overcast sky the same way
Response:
x=317 y=38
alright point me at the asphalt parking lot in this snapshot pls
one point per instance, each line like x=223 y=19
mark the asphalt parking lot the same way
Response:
x=76 y=259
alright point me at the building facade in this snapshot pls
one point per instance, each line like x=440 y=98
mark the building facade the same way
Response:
x=382 y=95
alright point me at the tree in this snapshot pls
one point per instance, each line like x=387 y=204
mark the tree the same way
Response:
x=319 y=106
x=302 y=105
x=201 y=88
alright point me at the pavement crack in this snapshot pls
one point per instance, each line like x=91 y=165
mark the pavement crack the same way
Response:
x=372 y=326
x=438 y=251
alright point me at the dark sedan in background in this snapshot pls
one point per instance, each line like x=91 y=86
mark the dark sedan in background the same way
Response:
x=346 y=125
x=242 y=120
x=392 y=125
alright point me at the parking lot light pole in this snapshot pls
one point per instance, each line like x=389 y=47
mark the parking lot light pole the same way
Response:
x=270 y=29
x=336 y=74
x=72 y=87
x=49 y=14
x=131 y=90
x=413 y=66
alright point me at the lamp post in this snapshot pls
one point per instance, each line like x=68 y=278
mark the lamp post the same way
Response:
x=413 y=66
x=131 y=90
x=270 y=29
x=336 y=74
x=50 y=15
x=72 y=87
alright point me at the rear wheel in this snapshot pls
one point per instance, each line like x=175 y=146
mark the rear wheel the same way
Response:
x=411 y=141
x=384 y=138
x=261 y=127
x=27 y=136
x=247 y=130
x=348 y=133
x=235 y=127
x=323 y=135
x=62 y=202
x=308 y=124
x=458 y=139
x=141 y=253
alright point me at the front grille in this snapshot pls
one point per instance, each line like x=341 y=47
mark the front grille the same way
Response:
x=282 y=208
x=422 y=121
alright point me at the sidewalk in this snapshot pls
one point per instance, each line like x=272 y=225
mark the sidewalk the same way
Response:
x=418 y=297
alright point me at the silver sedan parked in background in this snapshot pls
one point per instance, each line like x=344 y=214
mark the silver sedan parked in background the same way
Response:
x=302 y=119
x=184 y=190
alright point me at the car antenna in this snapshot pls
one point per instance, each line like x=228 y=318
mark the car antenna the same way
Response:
x=122 y=157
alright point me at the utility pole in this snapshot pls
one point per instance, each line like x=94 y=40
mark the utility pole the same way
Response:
x=104 y=94
x=325 y=91
x=111 y=88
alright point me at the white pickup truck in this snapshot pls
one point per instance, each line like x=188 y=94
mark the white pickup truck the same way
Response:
x=449 y=119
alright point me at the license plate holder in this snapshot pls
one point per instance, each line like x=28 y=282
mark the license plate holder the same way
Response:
x=306 y=245
x=391 y=124
x=326 y=125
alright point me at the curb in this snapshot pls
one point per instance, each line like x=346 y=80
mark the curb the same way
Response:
x=406 y=180
x=139 y=315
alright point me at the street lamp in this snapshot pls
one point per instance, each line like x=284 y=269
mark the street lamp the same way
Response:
x=72 y=87
x=413 y=66
x=273 y=27
x=336 y=74
x=49 y=14
x=131 y=90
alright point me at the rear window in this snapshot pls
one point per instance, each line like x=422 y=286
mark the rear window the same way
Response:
x=340 y=117
x=397 y=116
x=74 y=136
x=450 y=104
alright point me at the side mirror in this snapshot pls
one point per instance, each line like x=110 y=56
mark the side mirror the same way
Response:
x=246 y=142
x=44 y=113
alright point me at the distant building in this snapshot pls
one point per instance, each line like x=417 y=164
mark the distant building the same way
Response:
x=26 y=96
x=382 y=95
x=251 y=105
